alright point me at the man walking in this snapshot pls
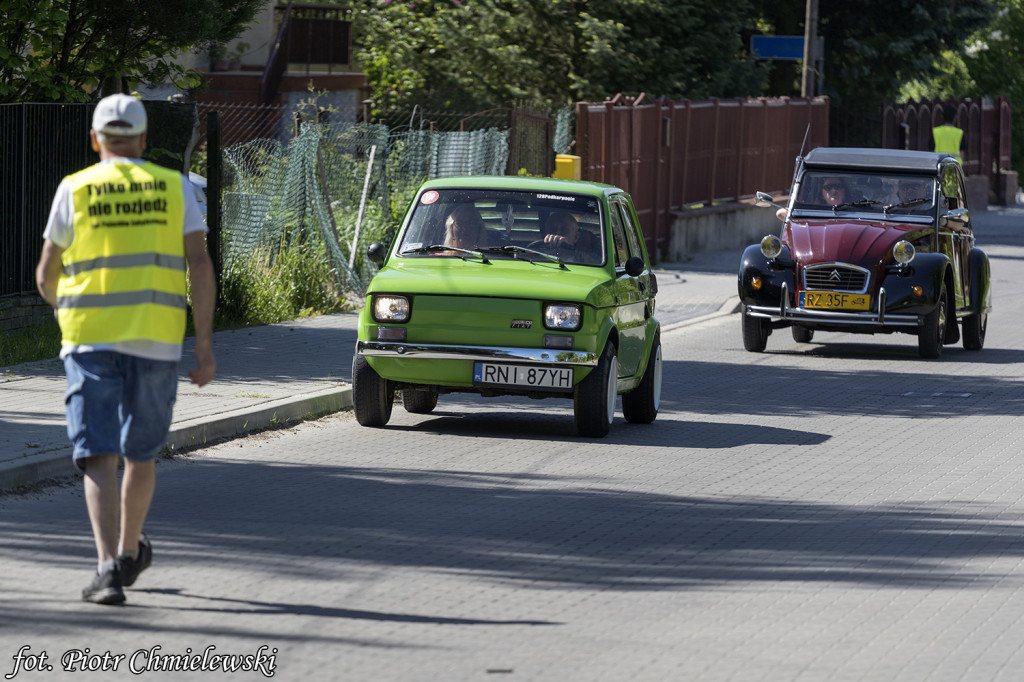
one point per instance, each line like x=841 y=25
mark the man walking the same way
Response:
x=947 y=136
x=113 y=266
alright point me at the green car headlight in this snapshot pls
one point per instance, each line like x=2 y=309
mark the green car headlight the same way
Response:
x=903 y=251
x=563 y=317
x=391 y=308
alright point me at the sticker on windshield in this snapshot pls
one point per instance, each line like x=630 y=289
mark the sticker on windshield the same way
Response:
x=429 y=197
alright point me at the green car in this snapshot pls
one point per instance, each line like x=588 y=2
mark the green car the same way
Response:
x=512 y=286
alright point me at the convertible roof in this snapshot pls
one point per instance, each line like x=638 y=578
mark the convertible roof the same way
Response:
x=863 y=158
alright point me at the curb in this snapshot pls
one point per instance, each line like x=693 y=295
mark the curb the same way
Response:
x=730 y=307
x=190 y=433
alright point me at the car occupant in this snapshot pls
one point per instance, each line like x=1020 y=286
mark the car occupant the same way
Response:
x=561 y=231
x=833 y=191
x=464 y=228
x=909 y=190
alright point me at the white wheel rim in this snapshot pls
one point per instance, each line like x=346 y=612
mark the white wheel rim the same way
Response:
x=613 y=376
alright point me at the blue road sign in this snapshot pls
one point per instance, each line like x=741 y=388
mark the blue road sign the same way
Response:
x=777 y=47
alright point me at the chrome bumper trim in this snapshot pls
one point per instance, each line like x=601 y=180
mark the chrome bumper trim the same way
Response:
x=429 y=351
x=784 y=312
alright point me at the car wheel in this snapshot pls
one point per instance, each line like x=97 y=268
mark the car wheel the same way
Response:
x=802 y=334
x=372 y=396
x=932 y=333
x=755 y=332
x=975 y=327
x=419 y=402
x=640 y=406
x=594 y=398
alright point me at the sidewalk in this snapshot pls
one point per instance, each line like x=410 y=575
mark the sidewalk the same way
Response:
x=273 y=374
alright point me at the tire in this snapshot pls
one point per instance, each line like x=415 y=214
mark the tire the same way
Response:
x=975 y=327
x=594 y=398
x=755 y=332
x=640 y=406
x=372 y=396
x=419 y=402
x=933 y=332
x=802 y=334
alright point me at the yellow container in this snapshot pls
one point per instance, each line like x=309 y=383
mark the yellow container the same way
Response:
x=567 y=166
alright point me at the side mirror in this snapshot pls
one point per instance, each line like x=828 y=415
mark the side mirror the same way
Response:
x=956 y=219
x=376 y=252
x=635 y=266
x=764 y=200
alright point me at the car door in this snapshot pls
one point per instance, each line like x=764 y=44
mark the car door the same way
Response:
x=631 y=293
x=958 y=239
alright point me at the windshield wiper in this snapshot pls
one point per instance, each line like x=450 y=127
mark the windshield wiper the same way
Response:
x=906 y=204
x=851 y=204
x=433 y=248
x=522 y=249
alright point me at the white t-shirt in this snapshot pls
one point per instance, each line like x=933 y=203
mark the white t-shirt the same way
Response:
x=60 y=229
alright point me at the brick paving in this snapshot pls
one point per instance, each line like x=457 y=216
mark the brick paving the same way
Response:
x=837 y=511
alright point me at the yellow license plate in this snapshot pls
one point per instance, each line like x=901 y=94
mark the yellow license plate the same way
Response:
x=834 y=300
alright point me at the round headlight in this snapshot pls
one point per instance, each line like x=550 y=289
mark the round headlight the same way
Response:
x=771 y=246
x=903 y=252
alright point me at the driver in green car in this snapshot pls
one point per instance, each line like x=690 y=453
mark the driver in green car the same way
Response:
x=561 y=231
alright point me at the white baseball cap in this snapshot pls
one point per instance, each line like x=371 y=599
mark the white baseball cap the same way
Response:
x=119 y=115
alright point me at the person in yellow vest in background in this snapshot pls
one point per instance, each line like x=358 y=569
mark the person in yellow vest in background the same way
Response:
x=948 y=137
x=113 y=266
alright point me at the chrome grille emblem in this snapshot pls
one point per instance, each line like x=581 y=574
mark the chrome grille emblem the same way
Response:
x=836 y=277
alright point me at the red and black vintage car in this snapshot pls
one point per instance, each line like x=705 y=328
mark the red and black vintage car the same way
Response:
x=872 y=241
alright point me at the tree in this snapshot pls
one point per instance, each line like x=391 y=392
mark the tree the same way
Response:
x=61 y=50
x=988 y=63
x=873 y=47
x=455 y=54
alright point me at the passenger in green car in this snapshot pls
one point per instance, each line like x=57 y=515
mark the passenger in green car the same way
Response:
x=464 y=228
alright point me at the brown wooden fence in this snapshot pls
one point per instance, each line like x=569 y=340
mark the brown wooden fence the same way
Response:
x=674 y=154
x=986 y=125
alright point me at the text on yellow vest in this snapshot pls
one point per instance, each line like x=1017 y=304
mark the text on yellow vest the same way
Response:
x=123 y=275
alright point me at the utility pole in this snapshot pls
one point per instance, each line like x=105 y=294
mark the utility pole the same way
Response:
x=810 y=49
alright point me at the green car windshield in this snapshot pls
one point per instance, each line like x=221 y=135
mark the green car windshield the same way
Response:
x=523 y=225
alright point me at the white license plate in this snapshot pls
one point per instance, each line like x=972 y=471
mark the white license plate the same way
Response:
x=500 y=374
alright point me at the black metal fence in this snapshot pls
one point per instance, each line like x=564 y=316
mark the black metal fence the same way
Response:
x=42 y=143
x=39 y=145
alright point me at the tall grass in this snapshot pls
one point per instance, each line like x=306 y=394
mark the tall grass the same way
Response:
x=265 y=288
x=36 y=342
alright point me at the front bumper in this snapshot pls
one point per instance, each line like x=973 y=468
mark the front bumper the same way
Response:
x=430 y=351
x=877 y=317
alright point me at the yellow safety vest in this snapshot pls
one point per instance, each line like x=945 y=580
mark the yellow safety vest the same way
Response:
x=123 y=275
x=947 y=139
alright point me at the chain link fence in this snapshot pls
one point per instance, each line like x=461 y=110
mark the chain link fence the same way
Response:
x=338 y=187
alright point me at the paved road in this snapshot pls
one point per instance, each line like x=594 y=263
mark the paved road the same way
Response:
x=842 y=510
x=267 y=375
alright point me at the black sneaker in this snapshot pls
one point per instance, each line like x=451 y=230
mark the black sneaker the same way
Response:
x=130 y=568
x=105 y=588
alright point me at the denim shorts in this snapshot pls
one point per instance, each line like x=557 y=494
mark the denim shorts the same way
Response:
x=118 y=404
